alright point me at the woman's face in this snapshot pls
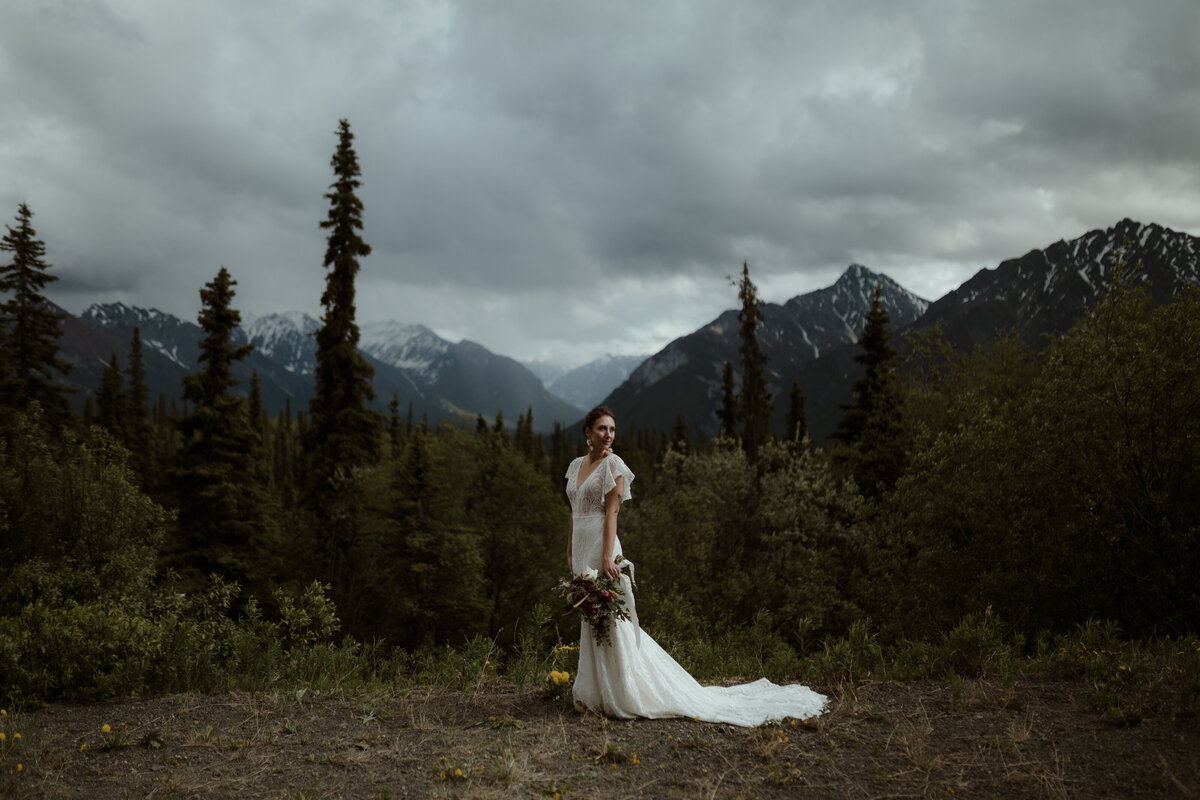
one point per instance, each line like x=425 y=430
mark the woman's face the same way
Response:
x=603 y=432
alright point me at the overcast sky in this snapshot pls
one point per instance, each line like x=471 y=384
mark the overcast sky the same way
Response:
x=560 y=179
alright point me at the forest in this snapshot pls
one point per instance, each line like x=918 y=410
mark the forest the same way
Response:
x=1008 y=498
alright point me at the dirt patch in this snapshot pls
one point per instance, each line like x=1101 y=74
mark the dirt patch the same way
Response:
x=928 y=739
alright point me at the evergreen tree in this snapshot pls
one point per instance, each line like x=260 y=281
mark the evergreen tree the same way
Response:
x=110 y=399
x=755 y=401
x=254 y=404
x=32 y=327
x=220 y=504
x=872 y=423
x=681 y=435
x=524 y=440
x=481 y=426
x=343 y=427
x=728 y=411
x=394 y=428
x=797 y=413
x=343 y=431
x=137 y=424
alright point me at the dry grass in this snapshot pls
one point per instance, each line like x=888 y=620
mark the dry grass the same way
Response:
x=496 y=741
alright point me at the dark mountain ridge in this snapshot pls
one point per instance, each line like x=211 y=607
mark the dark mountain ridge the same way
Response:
x=685 y=376
x=812 y=338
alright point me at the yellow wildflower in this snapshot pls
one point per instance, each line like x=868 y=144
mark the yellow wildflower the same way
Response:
x=20 y=767
x=83 y=747
x=2 y=737
x=16 y=736
x=458 y=773
x=106 y=727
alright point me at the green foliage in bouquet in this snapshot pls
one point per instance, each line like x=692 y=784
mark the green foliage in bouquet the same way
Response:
x=598 y=599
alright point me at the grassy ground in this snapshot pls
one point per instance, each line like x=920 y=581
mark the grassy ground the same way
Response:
x=947 y=738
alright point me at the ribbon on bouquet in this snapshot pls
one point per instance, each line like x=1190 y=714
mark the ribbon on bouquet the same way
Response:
x=628 y=583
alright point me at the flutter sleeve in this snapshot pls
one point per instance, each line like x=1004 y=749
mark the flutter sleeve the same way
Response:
x=614 y=466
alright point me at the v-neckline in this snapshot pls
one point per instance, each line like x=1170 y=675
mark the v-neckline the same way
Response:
x=583 y=460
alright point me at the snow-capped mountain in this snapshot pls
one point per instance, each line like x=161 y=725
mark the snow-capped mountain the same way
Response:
x=585 y=386
x=438 y=378
x=1044 y=291
x=811 y=338
x=287 y=338
x=685 y=377
x=410 y=347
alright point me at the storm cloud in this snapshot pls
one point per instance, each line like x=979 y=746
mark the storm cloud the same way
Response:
x=558 y=180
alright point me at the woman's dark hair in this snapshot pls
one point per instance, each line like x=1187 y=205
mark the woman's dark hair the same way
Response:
x=595 y=414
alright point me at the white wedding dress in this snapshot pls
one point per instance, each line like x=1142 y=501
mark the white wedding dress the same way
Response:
x=630 y=675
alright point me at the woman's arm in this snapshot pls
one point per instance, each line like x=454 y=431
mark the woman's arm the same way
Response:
x=612 y=506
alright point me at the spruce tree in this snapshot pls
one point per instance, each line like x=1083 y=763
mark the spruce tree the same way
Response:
x=755 y=402
x=728 y=411
x=394 y=428
x=797 y=413
x=681 y=434
x=872 y=424
x=110 y=399
x=343 y=429
x=32 y=327
x=343 y=433
x=254 y=405
x=137 y=423
x=220 y=504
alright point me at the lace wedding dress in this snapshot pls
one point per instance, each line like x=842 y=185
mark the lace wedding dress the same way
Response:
x=630 y=675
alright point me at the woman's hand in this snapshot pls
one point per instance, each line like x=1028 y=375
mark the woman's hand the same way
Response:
x=610 y=568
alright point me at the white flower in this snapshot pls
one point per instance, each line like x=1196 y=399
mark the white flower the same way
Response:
x=591 y=574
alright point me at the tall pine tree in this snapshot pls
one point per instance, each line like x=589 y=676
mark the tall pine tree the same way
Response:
x=728 y=412
x=220 y=506
x=32 y=327
x=755 y=402
x=344 y=431
x=797 y=414
x=110 y=399
x=137 y=408
x=872 y=424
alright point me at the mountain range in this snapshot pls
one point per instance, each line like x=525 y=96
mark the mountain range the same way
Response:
x=810 y=339
x=439 y=379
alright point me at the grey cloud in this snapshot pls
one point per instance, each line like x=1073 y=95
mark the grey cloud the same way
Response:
x=520 y=157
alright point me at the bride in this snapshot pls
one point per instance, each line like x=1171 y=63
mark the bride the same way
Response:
x=630 y=675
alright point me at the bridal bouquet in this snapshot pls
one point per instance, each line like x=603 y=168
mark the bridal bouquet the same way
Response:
x=597 y=597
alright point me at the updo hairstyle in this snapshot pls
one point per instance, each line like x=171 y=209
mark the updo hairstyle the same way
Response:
x=595 y=414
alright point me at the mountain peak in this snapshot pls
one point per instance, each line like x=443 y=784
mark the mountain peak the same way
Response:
x=857 y=272
x=110 y=314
